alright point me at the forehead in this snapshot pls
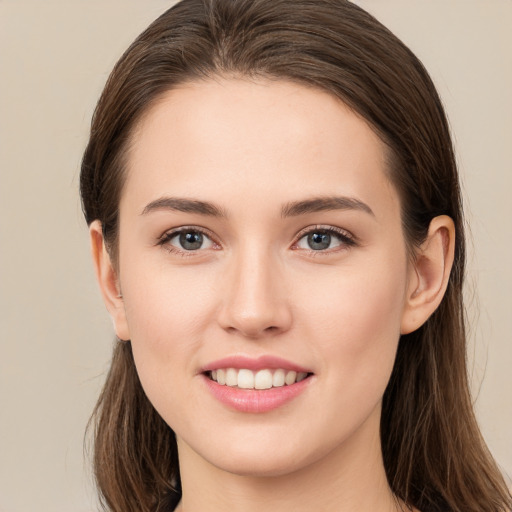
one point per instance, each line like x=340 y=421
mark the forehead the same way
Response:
x=264 y=139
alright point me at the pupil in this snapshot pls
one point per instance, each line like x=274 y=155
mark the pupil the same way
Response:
x=191 y=240
x=318 y=241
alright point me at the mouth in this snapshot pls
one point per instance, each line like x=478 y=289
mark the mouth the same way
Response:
x=265 y=378
x=256 y=385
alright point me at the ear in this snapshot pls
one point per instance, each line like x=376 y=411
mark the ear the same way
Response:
x=108 y=281
x=429 y=274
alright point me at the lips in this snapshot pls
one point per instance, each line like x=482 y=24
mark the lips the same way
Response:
x=255 y=385
x=255 y=364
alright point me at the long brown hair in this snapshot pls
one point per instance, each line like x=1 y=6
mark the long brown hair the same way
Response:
x=434 y=455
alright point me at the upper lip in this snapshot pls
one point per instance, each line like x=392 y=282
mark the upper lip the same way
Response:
x=259 y=363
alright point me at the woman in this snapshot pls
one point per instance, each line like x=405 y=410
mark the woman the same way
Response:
x=277 y=232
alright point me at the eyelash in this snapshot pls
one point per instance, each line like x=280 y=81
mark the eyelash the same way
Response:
x=346 y=239
x=169 y=235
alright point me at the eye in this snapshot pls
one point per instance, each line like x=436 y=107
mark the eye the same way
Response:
x=187 y=240
x=324 y=239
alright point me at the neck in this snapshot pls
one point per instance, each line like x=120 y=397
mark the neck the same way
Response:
x=351 y=477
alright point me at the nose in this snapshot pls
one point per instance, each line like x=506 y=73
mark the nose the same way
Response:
x=255 y=302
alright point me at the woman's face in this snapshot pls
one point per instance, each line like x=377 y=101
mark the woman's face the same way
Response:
x=259 y=232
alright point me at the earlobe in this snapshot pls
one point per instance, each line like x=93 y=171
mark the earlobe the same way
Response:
x=430 y=273
x=108 y=281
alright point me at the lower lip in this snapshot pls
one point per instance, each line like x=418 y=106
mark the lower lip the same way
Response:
x=255 y=400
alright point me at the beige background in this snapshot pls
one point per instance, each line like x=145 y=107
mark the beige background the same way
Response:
x=55 y=336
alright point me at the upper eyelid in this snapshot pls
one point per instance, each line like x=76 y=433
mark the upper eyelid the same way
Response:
x=327 y=228
x=171 y=233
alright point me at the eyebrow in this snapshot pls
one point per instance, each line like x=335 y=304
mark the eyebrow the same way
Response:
x=291 y=209
x=320 y=204
x=184 y=205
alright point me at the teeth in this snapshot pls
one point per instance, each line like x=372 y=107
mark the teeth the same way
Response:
x=221 y=377
x=245 y=379
x=262 y=379
x=290 y=378
x=301 y=376
x=231 y=377
x=278 y=378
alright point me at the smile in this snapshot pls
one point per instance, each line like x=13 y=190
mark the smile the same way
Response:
x=261 y=379
x=256 y=385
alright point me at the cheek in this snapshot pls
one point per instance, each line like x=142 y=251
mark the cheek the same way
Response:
x=166 y=311
x=162 y=300
x=355 y=318
x=165 y=326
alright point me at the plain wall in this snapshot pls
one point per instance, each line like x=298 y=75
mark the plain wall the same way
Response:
x=55 y=335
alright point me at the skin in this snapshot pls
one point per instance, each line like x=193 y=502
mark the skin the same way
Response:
x=256 y=287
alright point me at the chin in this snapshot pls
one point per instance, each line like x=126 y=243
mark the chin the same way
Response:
x=263 y=456
x=258 y=466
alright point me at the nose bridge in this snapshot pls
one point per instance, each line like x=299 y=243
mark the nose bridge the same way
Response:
x=255 y=302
